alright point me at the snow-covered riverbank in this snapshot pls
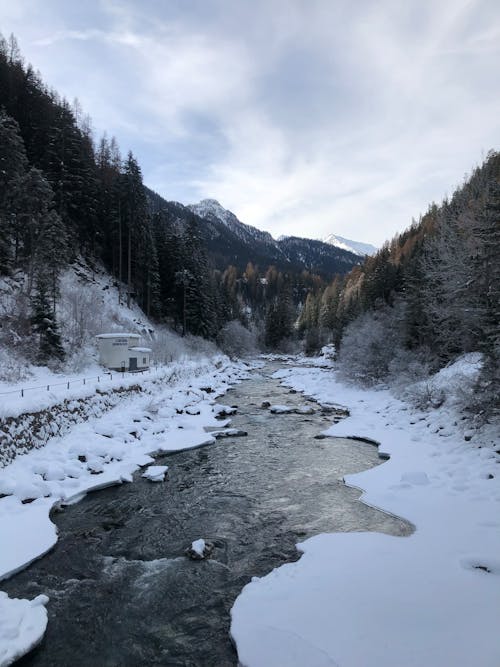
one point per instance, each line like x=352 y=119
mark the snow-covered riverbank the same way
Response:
x=367 y=599
x=97 y=453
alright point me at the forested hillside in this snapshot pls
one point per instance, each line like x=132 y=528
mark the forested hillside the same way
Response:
x=428 y=296
x=64 y=195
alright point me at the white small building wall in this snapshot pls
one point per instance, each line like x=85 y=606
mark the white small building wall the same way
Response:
x=143 y=356
x=116 y=350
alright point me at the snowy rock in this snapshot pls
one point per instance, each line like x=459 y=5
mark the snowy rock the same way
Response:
x=224 y=411
x=281 y=409
x=228 y=433
x=199 y=549
x=289 y=409
x=155 y=473
x=304 y=410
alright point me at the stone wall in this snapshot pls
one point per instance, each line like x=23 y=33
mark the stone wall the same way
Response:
x=18 y=435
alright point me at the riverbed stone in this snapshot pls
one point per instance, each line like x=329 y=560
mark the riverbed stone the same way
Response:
x=194 y=554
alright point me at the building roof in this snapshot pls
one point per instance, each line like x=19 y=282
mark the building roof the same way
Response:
x=118 y=335
x=139 y=349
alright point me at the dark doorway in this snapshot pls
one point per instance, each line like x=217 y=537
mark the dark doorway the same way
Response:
x=132 y=364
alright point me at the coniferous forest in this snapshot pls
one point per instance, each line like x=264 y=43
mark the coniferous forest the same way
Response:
x=427 y=296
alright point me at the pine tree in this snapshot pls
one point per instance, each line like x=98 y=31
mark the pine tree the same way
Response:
x=51 y=253
x=279 y=319
x=33 y=199
x=134 y=215
x=45 y=325
x=199 y=310
x=13 y=163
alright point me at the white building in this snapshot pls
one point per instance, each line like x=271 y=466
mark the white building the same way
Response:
x=122 y=352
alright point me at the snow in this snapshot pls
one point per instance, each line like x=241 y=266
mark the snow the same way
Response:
x=208 y=208
x=97 y=453
x=370 y=599
x=22 y=626
x=356 y=247
x=118 y=335
x=46 y=389
x=26 y=532
x=224 y=410
x=281 y=409
x=198 y=547
x=289 y=409
x=155 y=473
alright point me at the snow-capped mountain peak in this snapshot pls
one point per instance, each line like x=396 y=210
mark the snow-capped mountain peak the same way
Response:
x=356 y=247
x=211 y=208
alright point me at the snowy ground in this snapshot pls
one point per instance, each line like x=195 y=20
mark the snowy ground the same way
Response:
x=367 y=599
x=100 y=452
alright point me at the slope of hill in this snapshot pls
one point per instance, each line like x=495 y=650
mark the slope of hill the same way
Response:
x=316 y=256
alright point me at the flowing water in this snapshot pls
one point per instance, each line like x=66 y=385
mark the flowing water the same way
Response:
x=123 y=593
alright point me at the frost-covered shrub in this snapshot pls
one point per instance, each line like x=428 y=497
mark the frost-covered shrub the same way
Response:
x=454 y=384
x=424 y=395
x=236 y=340
x=13 y=368
x=80 y=312
x=484 y=402
x=369 y=345
x=312 y=342
x=409 y=366
x=168 y=346
x=78 y=360
x=200 y=347
x=328 y=351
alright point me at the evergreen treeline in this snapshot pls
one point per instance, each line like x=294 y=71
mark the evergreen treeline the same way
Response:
x=427 y=296
x=63 y=195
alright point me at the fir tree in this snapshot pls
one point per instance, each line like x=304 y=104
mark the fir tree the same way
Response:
x=44 y=325
x=12 y=167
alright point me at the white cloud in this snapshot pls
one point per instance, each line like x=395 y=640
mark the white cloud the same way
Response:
x=303 y=117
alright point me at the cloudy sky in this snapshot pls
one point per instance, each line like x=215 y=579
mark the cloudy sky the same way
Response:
x=304 y=117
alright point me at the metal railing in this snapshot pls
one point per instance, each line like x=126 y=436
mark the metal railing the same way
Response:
x=78 y=381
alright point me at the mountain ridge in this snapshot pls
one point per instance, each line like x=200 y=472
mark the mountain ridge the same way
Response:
x=230 y=241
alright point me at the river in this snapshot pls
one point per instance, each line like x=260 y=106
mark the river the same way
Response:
x=123 y=593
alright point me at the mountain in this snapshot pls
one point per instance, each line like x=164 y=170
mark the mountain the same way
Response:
x=358 y=248
x=316 y=256
x=210 y=209
x=287 y=253
x=232 y=242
